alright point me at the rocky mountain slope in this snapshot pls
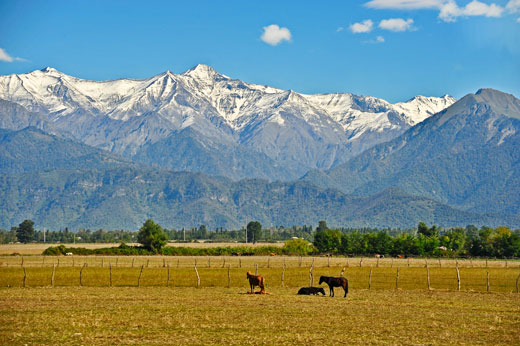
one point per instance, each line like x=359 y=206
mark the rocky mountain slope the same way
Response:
x=467 y=156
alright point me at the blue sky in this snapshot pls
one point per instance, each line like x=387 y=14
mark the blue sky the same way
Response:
x=393 y=49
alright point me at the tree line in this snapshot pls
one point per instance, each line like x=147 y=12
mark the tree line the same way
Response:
x=421 y=241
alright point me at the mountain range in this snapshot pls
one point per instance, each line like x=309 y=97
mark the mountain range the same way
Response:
x=204 y=121
x=202 y=148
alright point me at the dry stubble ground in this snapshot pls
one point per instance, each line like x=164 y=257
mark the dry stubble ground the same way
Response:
x=228 y=316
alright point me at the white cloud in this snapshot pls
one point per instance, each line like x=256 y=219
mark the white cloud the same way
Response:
x=513 y=6
x=378 y=39
x=340 y=29
x=363 y=27
x=274 y=35
x=450 y=10
x=396 y=24
x=518 y=20
x=7 y=58
x=405 y=4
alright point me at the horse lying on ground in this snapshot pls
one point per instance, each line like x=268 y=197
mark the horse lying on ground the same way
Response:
x=256 y=280
x=311 y=290
x=335 y=282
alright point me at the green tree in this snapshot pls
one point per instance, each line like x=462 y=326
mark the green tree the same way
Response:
x=152 y=236
x=297 y=246
x=254 y=231
x=322 y=226
x=25 y=231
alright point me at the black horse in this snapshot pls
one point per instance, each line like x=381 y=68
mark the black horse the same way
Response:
x=335 y=282
x=311 y=290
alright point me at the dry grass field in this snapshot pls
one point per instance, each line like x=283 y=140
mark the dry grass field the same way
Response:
x=168 y=308
x=228 y=316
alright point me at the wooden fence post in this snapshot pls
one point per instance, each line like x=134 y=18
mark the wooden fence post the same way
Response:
x=300 y=261
x=164 y=263
x=268 y=262
x=52 y=277
x=392 y=263
x=408 y=261
x=147 y=263
x=328 y=261
x=178 y=260
x=73 y=261
x=283 y=277
x=102 y=262
x=229 y=275
x=311 y=276
x=342 y=271
x=347 y=262
x=81 y=274
x=426 y=262
x=117 y=261
x=140 y=273
x=58 y=262
x=397 y=279
x=197 y=272
x=487 y=281
x=360 y=261
x=518 y=278
x=24 y=276
x=133 y=260
x=21 y=264
x=224 y=263
x=440 y=265
x=240 y=263
x=110 y=267
x=168 y=280
x=209 y=261
x=256 y=268
x=428 y=276
x=458 y=278
x=377 y=264
x=370 y=278
x=43 y=261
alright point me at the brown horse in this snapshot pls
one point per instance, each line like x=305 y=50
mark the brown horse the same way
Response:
x=256 y=280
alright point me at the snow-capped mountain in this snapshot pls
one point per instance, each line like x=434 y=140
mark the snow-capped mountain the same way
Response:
x=232 y=124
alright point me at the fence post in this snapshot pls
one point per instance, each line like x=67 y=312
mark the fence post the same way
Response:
x=428 y=276
x=408 y=261
x=486 y=262
x=397 y=279
x=81 y=274
x=229 y=275
x=133 y=259
x=209 y=261
x=73 y=261
x=347 y=262
x=283 y=276
x=110 y=266
x=21 y=264
x=240 y=263
x=518 y=278
x=197 y=272
x=458 y=278
x=440 y=265
x=58 y=262
x=392 y=263
x=224 y=263
x=268 y=262
x=168 y=280
x=147 y=263
x=102 y=262
x=24 y=276
x=52 y=277
x=342 y=271
x=487 y=281
x=43 y=261
x=360 y=261
x=178 y=260
x=370 y=278
x=164 y=263
x=328 y=261
x=311 y=276
x=377 y=264
x=426 y=262
x=117 y=261
x=140 y=273
x=256 y=268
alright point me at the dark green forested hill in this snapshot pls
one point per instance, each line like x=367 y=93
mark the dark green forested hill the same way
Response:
x=124 y=197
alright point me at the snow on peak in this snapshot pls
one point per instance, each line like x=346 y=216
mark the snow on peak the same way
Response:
x=204 y=72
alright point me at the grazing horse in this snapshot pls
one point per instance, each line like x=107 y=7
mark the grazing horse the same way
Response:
x=256 y=280
x=335 y=282
x=311 y=290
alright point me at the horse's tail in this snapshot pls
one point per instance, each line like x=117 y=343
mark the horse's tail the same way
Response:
x=346 y=285
x=262 y=284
